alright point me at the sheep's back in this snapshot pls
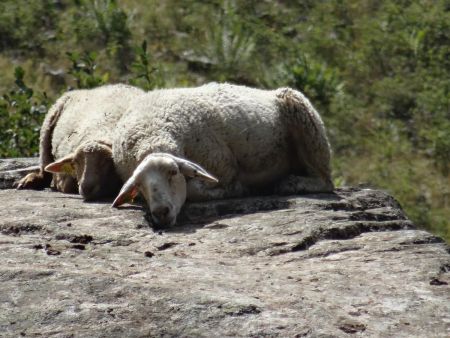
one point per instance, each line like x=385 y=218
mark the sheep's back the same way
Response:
x=217 y=126
x=91 y=115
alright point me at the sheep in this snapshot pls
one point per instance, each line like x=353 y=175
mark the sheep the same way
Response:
x=78 y=131
x=227 y=140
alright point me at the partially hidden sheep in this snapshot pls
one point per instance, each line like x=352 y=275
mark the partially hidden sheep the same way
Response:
x=77 y=131
x=227 y=140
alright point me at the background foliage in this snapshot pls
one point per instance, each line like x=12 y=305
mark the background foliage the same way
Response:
x=378 y=71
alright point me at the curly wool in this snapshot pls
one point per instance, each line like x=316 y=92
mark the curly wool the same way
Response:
x=80 y=117
x=241 y=135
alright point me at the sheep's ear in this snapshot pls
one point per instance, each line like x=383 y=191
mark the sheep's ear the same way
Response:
x=127 y=194
x=63 y=166
x=191 y=169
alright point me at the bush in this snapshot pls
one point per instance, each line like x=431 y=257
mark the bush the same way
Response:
x=84 y=70
x=26 y=25
x=319 y=82
x=144 y=74
x=21 y=114
x=103 y=23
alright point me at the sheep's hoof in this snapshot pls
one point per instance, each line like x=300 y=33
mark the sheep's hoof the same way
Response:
x=33 y=181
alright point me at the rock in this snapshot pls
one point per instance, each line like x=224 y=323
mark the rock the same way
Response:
x=322 y=265
x=12 y=169
x=9 y=164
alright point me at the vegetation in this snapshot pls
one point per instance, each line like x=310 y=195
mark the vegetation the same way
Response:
x=378 y=71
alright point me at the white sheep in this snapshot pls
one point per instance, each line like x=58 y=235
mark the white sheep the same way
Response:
x=78 y=132
x=252 y=140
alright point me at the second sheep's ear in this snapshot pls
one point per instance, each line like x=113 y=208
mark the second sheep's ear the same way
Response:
x=127 y=194
x=191 y=169
x=62 y=166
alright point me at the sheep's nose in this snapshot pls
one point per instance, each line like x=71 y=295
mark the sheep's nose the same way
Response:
x=161 y=215
x=161 y=212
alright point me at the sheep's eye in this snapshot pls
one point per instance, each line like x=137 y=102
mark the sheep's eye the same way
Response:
x=173 y=172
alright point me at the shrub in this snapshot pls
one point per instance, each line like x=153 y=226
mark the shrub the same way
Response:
x=26 y=25
x=103 y=22
x=144 y=74
x=21 y=114
x=84 y=70
x=319 y=82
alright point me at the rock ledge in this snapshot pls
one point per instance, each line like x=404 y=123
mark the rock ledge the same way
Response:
x=324 y=265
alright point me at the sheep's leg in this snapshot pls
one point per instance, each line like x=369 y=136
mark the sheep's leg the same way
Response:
x=203 y=191
x=299 y=184
x=37 y=181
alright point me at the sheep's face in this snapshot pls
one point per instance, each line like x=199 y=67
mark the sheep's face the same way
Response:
x=95 y=171
x=160 y=178
x=93 y=168
x=164 y=189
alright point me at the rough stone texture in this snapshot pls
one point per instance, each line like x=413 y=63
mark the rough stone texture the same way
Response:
x=325 y=265
x=12 y=169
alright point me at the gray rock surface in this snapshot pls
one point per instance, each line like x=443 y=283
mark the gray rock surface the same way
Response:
x=12 y=169
x=325 y=265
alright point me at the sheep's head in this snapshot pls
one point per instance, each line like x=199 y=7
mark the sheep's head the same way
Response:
x=93 y=167
x=160 y=178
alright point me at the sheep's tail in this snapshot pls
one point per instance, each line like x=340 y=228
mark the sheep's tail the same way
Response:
x=48 y=126
x=307 y=131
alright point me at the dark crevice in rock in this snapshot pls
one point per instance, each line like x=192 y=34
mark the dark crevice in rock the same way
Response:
x=216 y=226
x=436 y=281
x=347 y=231
x=369 y=216
x=51 y=251
x=166 y=246
x=279 y=244
x=240 y=310
x=340 y=206
x=352 y=327
x=82 y=239
x=79 y=246
x=386 y=226
x=103 y=241
x=304 y=244
x=18 y=229
x=343 y=232
x=425 y=240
